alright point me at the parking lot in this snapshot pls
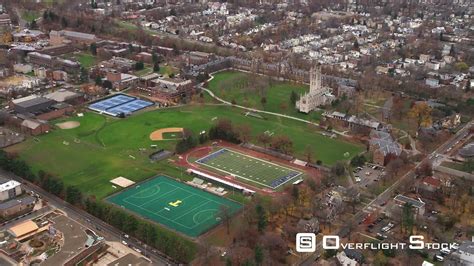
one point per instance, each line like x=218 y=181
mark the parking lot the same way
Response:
x=368 y=174
x=380 y=228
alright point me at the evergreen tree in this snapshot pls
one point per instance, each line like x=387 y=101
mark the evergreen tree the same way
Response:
x=258 y=254
x=261 y=218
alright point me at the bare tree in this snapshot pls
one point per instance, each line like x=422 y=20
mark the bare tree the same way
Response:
x=225 y=215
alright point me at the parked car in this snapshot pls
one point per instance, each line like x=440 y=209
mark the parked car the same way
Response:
x=445 y=251
x=388 y=227
x=439 y=258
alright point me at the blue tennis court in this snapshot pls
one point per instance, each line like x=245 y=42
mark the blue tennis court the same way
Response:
x=118 y=104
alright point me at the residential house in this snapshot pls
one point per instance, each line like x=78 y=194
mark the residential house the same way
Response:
x=429 y=187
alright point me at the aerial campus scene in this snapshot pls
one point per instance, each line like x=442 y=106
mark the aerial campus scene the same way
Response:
x=195 y=132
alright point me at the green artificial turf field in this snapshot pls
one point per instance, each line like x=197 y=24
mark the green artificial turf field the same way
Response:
x=178 y=206
x=248 y=168
x=103 y=148
x=247 y=90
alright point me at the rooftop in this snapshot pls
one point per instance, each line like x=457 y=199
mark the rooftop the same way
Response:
x=61 y=95
x=17 y=201
x=32 y=124
x=129 y=259
x=467 y=247
x=23 y=228
x=467 y=151
x=76 y=34
x=30 y=101
x=9 y=185
x=385 y=142
x=415 y=203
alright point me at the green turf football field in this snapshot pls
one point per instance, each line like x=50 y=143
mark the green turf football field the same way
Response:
x=249 y=168
x=178 y=206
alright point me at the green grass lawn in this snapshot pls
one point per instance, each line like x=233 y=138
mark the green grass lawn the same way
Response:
x=453 y=165
x=145 y=71
x=167 y=70
x=30 y=15
x=87 y=60
x=102 y=147
x=237 y=86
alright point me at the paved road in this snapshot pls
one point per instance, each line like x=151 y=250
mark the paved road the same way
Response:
x=389 y=192
x=109 y=232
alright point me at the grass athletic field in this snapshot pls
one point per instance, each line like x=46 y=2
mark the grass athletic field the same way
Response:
x=100 y=148
x=178 y=206
x=249 y=168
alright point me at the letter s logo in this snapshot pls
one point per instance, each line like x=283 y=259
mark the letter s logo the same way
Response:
x=305 y=242
x=416 y=242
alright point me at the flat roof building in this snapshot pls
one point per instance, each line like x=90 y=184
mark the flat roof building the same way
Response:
x=419 y=206
x=23 y=229
x=31 y=104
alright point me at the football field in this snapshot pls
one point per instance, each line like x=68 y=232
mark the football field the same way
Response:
x=178 y=206
x=249 y=168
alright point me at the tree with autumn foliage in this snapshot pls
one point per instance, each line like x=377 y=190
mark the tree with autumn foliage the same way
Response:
x=421 y=112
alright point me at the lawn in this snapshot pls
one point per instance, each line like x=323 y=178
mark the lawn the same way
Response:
x=453 y=165
x=102 y=147
x=239 y=87
x=87 y=60
x=167 y=70
x=145 y=71
x=30 y=15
